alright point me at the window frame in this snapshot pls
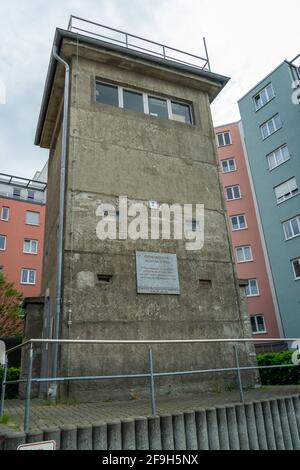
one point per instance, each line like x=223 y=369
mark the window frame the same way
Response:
x=238 y=229
x=257 y=287
x=30 y=252
x=231 y=187
x=226 y=160
x=259 y=93
x=223 y=133
x=245 y=260
x=273 y=153
x=294 y=271
x=28 y=283
x=289 y=221
x=5 y=242
x=8 y=210
x=146 y=96
x=256 y=324
x=266 y=123
x=32 y=212
x=290 y=192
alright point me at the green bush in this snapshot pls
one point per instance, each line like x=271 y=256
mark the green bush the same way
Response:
x=13 y=373
x=280 y=375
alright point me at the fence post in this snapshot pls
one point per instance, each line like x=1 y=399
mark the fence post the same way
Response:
x=152 y=387
x=3 y=387
x=28 y=389
x=239 y=378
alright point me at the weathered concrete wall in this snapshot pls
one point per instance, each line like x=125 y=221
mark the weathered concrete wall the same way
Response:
x=267 y=425
x=115 y=152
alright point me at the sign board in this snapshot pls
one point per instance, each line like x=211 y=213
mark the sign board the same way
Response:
x=47 y=445
x=157 y=273
x=2 y=353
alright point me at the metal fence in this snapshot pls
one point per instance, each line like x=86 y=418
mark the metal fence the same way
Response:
x=136 y=43
x=150 y=375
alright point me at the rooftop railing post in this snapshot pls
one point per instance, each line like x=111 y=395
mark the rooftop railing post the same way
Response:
x=152 y=386
x=3 y=387
x=28 y=389
x=126 y=39
x=239 y=377
x=164 y=51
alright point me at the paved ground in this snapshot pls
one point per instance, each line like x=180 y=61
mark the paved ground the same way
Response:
x=44 y=416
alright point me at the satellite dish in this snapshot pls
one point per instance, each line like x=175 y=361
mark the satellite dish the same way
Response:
x=2 y=353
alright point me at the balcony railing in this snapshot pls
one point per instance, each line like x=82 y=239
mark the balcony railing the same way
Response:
x=136 y=43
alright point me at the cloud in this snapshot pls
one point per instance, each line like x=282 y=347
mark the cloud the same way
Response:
x=246 y=40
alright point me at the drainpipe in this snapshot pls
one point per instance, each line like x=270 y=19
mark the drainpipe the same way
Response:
x=60 y=237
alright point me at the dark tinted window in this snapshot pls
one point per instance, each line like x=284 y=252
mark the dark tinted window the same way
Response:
x=133 y=101
x=107 y=94
x=181 y=112
x=158 y=107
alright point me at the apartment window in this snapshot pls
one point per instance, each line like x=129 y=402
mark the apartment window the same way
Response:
x=286 y=190
x=252 y=288
x=258 y=324
x=263 y=97
x=278 y=157
x=296 y=268
x=133 y=100
x=5 y=213
x=16 y=192
x=107 y=94
x=224 y=138
x=238 y=222
x=292 y=228
x=228 y=165
x=271 y=126
x=243 y=254
x=2 y=242
x=181 y=112
x=30 y=194
x=30 y=246
x=32 y=218
x=233 y=192
x=28 y=276
x=143 y=103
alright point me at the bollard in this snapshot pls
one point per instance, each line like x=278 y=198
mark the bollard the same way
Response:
x=251 y=426
x=190 y=430
x=260 y=426
x=13 y=440
x=212 y=427
x=223 y=428
x=277 y=425
x=128 y=434
x=69 y=438
x=114 y=439
x=34 y=436
x=296 y=403
x=293 y=423
x=202 y=432
x=100 y=436
x=141 y=433
x=242 y=427
x=284 y=425
x=52 y=434
x=271 y=441
x=167 y=438
x=85 y=437
x=154 y=433
x=233 y=433
x=179 y=432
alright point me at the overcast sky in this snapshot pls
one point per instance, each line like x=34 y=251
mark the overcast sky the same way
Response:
x=246 y=40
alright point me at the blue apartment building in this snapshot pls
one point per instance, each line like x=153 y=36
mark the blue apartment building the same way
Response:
x=270 y=114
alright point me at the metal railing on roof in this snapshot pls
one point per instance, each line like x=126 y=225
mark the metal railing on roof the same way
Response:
x=136 y=43
x=22 y=182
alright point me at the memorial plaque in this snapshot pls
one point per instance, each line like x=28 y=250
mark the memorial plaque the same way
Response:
x=157 y=273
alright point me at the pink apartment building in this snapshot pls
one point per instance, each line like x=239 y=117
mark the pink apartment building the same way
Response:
x=250 y=260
